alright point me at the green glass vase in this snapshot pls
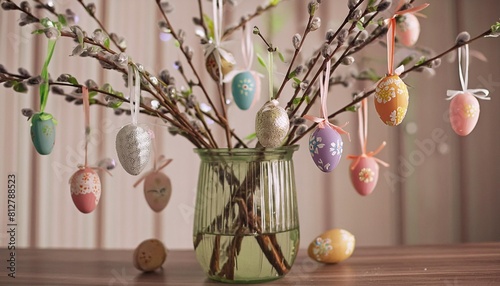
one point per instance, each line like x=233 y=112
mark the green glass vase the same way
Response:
x=246 y=225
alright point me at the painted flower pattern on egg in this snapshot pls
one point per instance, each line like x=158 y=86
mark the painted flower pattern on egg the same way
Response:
x=322 y=247
x=244 y=88
x=336 y=147
x=366 y=175
x=464 y=113
x=315 y=144
x=43 y=133
x=391 y=100
x=325 y=147
x=85 y=187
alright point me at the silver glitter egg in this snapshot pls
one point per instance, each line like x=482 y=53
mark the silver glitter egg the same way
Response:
x=133 y=146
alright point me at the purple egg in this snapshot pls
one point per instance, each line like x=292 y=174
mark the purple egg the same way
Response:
x=325 y=146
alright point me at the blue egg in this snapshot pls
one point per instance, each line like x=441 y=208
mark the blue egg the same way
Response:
x=43 y=133
x=326 y=147
x=244 y=88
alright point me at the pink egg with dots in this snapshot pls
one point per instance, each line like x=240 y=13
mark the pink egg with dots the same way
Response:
x=364 y=176
x=85 y=189
x=464 y=113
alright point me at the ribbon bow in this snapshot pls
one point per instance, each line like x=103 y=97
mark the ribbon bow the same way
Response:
x=247 y=51
x=164 y=163
x=391 y=34
x=215 y=45
x=323 y=93
x=363 y=136
x=480 y=93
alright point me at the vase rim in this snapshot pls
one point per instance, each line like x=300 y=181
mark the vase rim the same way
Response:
x=243 y=151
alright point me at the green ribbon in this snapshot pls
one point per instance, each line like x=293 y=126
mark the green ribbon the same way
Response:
x=44 y=86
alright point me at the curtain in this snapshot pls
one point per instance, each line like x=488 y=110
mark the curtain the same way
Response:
x=446 y=190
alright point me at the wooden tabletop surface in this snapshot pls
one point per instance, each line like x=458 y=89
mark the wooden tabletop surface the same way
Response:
x=453 y=265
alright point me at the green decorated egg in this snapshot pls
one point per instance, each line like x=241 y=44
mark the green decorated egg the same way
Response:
x=43 y=132
x=244 y=88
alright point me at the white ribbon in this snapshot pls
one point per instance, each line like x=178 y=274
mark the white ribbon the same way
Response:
x=480 y=93
x=214 y=48
x=134 y=92
x=247 y=48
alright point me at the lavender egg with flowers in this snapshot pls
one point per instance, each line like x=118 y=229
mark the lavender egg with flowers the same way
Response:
x=326 y=147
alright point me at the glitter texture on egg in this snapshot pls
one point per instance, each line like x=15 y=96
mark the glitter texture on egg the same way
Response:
x=133 y=146
x=271 y=124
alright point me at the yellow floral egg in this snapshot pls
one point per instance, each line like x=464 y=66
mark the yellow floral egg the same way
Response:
x=333 y=246
x=391 y=100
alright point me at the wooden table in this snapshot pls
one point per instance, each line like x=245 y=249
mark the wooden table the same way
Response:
x=453 y=265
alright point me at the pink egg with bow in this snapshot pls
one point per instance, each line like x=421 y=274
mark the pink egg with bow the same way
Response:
x=157 y=190
x=464 y=113
x=85 y=189
x=364 y=176
x=408 y=30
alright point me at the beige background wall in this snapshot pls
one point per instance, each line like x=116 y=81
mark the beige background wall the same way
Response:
x=450 y=194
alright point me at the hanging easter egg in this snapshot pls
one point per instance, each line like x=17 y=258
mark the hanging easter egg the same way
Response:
x=226 y=63
x=85 y=188
x=133 y=146
x=391 y=100
x=326 y=147
x=364 y=176
x=408 y=29
x=271 y=124
x=157 y=190
x=244 y=87
x=333 y=246
x=464 y=113
x=43 y=132
x=149 y=255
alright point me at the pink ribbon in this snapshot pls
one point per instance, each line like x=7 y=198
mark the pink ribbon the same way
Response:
x=155 y=169
x=391 y=33
x=323 y=93
x=86 y=111
x=363 y=137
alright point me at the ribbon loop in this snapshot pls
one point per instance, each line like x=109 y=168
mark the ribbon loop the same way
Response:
x=391 y=33
x=363 y=136
x=323 y=93
x=247 y=48
x=155 y=169
x=480 y=93
x=86 y=111
x=134 y=91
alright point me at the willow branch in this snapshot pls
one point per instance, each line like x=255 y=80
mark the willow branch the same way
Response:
x=370 y=92
x=101 y=25
x=247 y=19
x=195 y=72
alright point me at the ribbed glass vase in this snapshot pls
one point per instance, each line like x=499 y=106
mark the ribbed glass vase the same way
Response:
x=246 y=225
